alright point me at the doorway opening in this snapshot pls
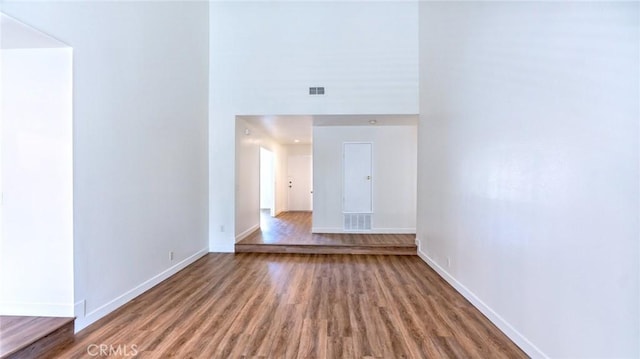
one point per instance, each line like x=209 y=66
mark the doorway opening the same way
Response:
x=263 y=146
x=36 y=174
x=343 y=183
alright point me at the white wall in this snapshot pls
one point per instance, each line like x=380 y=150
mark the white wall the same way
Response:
x=247 y=189
x=393 y=178
x=140 y=141
x=265 y=55
x=299 y=150
x=267 y=179
x=528 y=168
x=36 y=256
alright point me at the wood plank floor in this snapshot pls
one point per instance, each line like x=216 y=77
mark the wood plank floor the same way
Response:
x=19 y=334
x=290 y=232
x=252 y=305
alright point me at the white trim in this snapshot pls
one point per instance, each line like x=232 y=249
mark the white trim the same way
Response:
x=372 y=231
x=124 y=298
x=37 y=309
x=517 y=337
x=246 y=233
x=222 y=248
x=80 y=309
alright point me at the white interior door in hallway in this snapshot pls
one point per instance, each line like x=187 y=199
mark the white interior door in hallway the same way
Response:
x=357 y=178
x=300 y=183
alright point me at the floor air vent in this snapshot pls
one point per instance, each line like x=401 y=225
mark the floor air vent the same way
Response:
x=357 y=221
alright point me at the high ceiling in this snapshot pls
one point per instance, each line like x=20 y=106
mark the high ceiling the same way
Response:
x=292 y=129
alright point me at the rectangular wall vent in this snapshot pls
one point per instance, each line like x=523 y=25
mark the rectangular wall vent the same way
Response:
x=316 y=90
x=357 y=221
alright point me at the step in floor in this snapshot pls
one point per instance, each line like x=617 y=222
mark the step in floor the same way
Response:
x=33 y=337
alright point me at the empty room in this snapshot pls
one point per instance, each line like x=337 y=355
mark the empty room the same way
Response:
x=319 y=179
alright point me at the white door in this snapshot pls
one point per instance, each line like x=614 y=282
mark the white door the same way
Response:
x=357 y=178
x=300 y=183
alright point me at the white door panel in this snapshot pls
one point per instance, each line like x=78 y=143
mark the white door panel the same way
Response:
x=357 y=178
x=300 y=183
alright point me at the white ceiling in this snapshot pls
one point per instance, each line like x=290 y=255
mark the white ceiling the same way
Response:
x=289 y=128
x=284 y=129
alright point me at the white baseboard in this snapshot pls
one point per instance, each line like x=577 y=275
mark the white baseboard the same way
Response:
x=494 y=317
x=91 y=317
x=222 y=248
x=37 y=309
x=372 y=231
x=246 y=233
x=80 y=309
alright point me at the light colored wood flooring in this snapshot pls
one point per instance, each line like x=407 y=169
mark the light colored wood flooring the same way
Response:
x=290 y=232
x=252 y=305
